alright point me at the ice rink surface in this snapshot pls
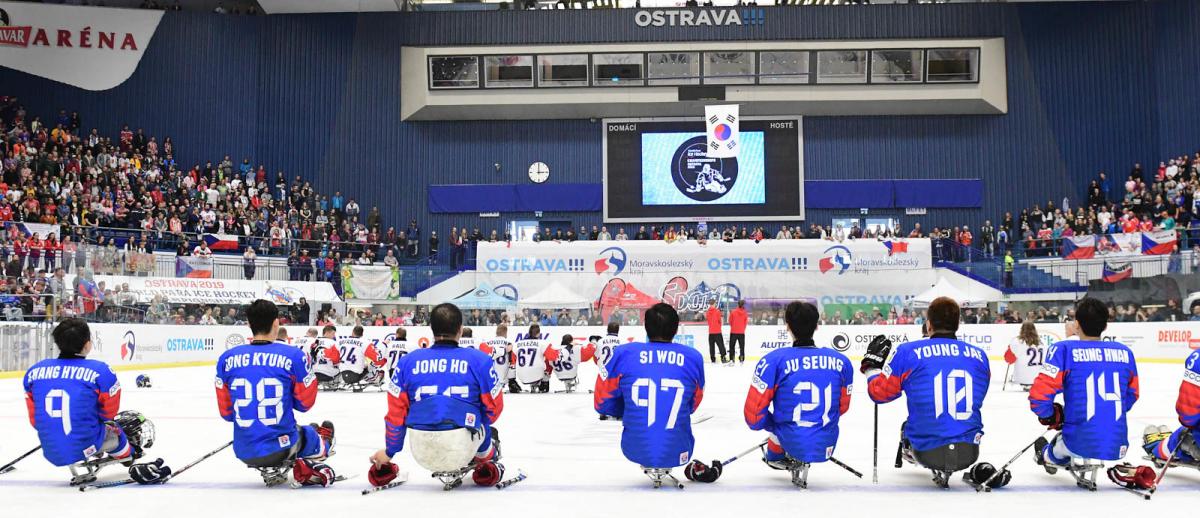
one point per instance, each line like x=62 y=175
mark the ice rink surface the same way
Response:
x=575 y=465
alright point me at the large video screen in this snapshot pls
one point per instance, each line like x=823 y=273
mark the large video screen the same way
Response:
x=659 y=170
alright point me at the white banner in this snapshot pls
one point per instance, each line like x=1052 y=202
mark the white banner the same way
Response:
x=370 y=282
x=90 y=47
x=147 y=344
x=219 y=291
x=631 y=274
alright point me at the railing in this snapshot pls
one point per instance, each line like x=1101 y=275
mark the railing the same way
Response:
x=24 y=344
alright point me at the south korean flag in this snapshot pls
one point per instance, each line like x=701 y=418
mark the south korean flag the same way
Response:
x=722 y=125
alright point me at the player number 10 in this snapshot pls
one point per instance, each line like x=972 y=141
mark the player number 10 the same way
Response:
x=947 y=396
x=645 y=394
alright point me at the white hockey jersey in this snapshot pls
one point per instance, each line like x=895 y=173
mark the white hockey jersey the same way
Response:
x=1029 y=361
x=306 y=344
x=353 y=352
x=530 y=360
x=469 y=343
x=392 y=351
x=565 y=361
x=604 y=349
x=324 y=365
x=500 y=350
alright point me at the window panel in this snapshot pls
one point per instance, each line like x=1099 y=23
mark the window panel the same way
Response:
x=783 y=67
x=448 y=72
x=726 y=68
x=674 y=68
x=842 y=66
x=896 y=66
x=508 y=71
x=557 y=70
x=618 y=69
x=952 y=65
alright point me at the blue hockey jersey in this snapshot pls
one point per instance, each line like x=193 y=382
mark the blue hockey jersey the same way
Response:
x=1099 y=384
x=442 y=388
x=807 y=390
x=654 y=387
x=945 y=381
x=258 y=387
x=68 y=401
x=1187 y=405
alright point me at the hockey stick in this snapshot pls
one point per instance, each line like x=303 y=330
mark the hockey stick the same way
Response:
x=9 y=467
x=847 y=468
x=520 y=477
x=875 y=460
x=1004 y=382
x=400 y=480
x=165 y=479
x=699 y=468
x=983 y=486
x=900 y=454
x=1146 y=495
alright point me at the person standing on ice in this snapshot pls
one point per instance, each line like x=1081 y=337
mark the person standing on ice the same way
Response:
x=445 y=399
x=654 y=387
x=259 y=385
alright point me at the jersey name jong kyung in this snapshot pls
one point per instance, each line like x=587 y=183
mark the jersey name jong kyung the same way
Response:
x=808 y=390
x=654 y=388
x=258 y=387
x=1099 y=384
x=944 y=381
x=441 y=388
x=529 y=360
x=68 y=401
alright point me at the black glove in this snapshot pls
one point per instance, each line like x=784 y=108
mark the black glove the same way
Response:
x=877 y=353
x=697 y=471
x=1055 y=421
x=150 y=472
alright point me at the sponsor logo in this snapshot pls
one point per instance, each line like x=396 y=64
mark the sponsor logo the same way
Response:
x=534 y=264
x=128 y=346
x=981 y=341
x=234 y=340
x=612 y=260
x=1179 y=337
x=841 y=342
x=752 y=264
x=27 y=35
x=189 y=344
x=507 y=291
x=778 y=344
x=697 y=298
x=836 y=258
x=699 y=17
x=700 y=177
x=423 y=342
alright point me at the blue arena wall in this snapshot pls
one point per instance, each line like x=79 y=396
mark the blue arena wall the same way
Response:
x=1092 y=86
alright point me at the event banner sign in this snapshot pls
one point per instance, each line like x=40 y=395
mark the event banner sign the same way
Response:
x=635 y=274
x=125 y=344
x=219 y=291
x=370 y=282
x=94 y=48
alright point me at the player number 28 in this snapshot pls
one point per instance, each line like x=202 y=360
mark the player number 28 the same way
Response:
x=645 y=394
x=259 y=393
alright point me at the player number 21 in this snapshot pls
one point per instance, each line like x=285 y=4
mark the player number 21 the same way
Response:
x=814 y=402
x=645 y=394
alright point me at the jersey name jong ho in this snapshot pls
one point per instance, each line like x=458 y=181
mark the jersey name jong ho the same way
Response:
x=807 y=391
x=258 y=387
x=1099 y=384
x=529 y=360
x=440 y=388
x=654 y=388
x=944 y=381
x=1029 y=361
x=68 y=401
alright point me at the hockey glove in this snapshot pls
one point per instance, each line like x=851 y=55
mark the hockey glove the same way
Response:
x=1132 y=477
x=699 y=472
x=487 y=474
x=382 y=474
x=312 y=473
x=1053 y=421
x=149 y=472
x=877 y=353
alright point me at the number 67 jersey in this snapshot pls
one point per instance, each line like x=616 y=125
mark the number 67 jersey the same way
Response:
x=654 y=388
x=258 y=385
x=1099 y=384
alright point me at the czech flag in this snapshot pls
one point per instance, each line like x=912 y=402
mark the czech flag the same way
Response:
x=1158 y=242
x=194 y=267
x=226 y=242
x=1116 y=273
x=1079 y=247
x=896 y=247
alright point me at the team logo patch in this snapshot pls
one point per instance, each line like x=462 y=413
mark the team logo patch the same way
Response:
x=683 y=458
x=699 y=176
x=1049 y=370
x=392 y=389
x=116 y=388
x=1123 y=450
x=309 y=379
x=1191 y=377
x=91 y=450
x=469 y=420
x=829 y=452
x=219 y=383
x=285 y=441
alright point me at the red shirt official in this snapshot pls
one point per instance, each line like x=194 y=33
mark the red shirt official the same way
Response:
x=713 y=317
x=737 y=321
